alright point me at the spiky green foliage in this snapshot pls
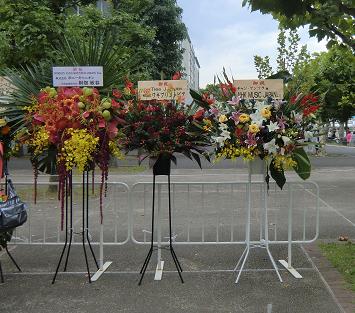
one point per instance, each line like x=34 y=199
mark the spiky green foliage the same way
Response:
x=27 y=82
x=100 y=49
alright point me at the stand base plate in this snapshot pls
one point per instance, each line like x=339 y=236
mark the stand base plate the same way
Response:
x=290 y=269
x=159 y=271
x=100 y=271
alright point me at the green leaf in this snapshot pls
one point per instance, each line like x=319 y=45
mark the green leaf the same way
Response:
x=197 y=159
x=277 y=175
x=303 y=167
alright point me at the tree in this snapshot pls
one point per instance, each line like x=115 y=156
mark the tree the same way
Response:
x=165 y=17
x=331 y=19
x=133 y=39
x=289 y=55
x=331 y=76
x=28 y=29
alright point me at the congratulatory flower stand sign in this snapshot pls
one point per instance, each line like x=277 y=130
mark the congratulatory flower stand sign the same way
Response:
x=163 y=90
x=259 y=89
x=77 y=76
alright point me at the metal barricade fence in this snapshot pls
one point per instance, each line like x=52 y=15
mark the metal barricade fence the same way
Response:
x=204 y=213
x=43 y=226
x=210 y=213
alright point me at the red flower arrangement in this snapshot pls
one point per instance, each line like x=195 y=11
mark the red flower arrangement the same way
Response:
x=72 y=127
x=161 y=127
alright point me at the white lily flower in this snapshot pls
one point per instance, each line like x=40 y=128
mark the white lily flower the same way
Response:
x=223 y=126
x=256 y=118
x=218 y=140
x=226 y=134
x=273 y=126
x=286 y=140
x=271 y=146
x=297 y=117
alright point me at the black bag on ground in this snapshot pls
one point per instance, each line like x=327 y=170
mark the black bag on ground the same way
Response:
x=13 y=211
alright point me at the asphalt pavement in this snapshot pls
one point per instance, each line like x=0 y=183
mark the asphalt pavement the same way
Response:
x=208 y=268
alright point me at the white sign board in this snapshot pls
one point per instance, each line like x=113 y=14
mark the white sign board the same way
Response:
x=259 y=89
x=163 y=90
x=78 y=76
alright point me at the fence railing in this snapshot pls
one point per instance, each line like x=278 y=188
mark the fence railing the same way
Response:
x=204 y=213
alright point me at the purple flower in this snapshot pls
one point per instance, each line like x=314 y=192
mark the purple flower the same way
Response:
x=281 y=122
x=235 y=100
x=235 y=117
x=251 y=140
x=214 y=111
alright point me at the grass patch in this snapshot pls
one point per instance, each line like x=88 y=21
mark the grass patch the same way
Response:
x=342 y=257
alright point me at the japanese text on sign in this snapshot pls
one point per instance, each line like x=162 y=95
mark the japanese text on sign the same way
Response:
x=77 y=76
x=163 y=90
x=259 y=89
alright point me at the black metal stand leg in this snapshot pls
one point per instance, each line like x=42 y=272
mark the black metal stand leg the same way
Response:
x=87 y=220
x=12 y=259
x=69 y=187
x=147 y=259
x=1 y=274
x=84 y=229
x=173 y=254
x=66 y=233
x=176 y=261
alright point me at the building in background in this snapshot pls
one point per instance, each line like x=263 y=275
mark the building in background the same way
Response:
x=190 y=64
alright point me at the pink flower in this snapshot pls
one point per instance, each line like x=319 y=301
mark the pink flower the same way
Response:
x=102 y=123
x=235 y=117
x=38 y=119
x=281 y=122
x=214 y=111
x=251 y=140
x=86 y=114
x=235 y=100
x=112 y=130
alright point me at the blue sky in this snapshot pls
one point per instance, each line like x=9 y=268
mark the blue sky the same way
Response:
x=224 y=33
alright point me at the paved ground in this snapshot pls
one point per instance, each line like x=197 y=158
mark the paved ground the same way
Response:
x=208 y=270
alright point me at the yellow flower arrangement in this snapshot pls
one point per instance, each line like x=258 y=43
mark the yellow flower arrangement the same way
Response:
x=253 y=128
x=40 y=141
x=222 y=118
x=115 y=151
x=265 y=112
x=243 y=118
x=283 y=162
x=208 y=125
x=232 y=152
x=78 y=149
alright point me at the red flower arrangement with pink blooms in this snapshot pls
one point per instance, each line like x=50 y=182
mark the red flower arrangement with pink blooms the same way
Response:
x=155 y=128
x=72 y=127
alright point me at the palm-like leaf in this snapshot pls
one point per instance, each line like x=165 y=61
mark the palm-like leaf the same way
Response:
x=27 y=82
x=100 y=49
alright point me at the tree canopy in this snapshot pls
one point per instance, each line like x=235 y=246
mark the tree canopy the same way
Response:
x=149 y=31
x=331 y=76
x=290 y=54
x=331 y=19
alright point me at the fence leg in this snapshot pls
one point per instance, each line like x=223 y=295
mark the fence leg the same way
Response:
x=103 y=266
x=288 y=264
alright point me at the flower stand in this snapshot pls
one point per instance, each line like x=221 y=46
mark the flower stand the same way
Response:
x=85 y=223
x=161 y=167
x=256 y=167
